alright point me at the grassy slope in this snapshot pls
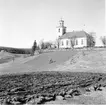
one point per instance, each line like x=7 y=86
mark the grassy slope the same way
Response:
x=86 y=61
x=39 y=63
x=74 y=61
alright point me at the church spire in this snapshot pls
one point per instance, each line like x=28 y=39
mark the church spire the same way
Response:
x=61 y=22
x=61 y=29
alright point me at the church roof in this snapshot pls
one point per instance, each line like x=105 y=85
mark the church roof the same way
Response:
x=75 y=34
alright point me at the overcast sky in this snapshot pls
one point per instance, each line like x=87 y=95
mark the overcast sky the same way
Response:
x=23 y=21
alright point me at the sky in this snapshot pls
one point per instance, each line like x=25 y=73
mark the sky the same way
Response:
x=23 y=21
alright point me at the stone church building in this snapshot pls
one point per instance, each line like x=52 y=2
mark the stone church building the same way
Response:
x=76 y=39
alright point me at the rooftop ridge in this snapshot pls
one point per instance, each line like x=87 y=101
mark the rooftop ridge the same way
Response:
x=77 y=34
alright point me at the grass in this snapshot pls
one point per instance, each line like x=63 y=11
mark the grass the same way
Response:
x=5 y=60
x=37 y=63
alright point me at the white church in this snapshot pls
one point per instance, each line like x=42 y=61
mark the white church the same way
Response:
x=67 y=39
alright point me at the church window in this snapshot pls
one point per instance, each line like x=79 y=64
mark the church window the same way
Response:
x=82 y=41
x=76 y=42
x=62 y=43
x=67 y=42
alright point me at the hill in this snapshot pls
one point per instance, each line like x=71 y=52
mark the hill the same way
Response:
x=36 y=63
x=78 y=60
x=16 y=50
x=86 y=61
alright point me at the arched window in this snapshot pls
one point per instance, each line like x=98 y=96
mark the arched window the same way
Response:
x=62 y=43
x=76 y=42
x=67 y=42
x=82 y=41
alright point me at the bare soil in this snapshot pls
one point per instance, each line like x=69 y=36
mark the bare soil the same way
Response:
x=49 y=83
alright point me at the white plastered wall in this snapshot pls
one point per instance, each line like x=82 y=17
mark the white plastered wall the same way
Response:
x=65 y=45
x=80 y=44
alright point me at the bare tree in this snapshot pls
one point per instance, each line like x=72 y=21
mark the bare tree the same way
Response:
x=47 y=45
x=103 y=39
x=90 y=40
x=73 y=41
x=41 y=44
x=57 y=43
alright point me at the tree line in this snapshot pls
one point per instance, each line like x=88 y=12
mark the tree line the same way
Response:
x=16 y=50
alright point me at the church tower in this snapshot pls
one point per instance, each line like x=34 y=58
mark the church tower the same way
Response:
x=61 y=29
